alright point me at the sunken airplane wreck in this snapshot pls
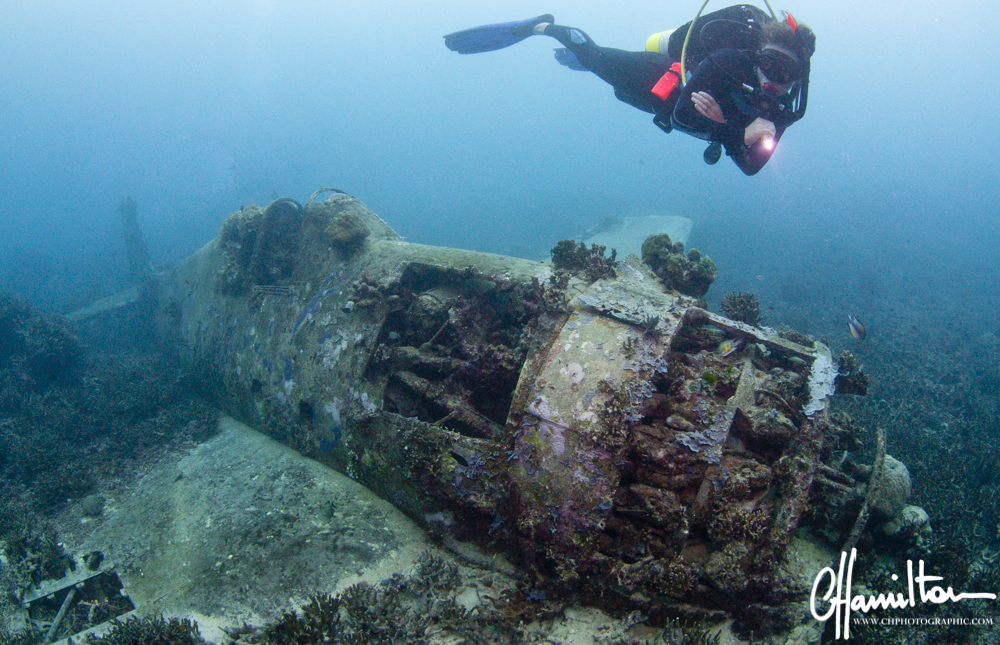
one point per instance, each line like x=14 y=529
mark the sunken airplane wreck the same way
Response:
x=588 y=429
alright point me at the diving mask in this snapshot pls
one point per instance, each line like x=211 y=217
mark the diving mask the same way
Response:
x=778 y=66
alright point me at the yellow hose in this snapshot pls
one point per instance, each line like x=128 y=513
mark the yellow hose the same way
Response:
x=687 y=38
x=769 y=8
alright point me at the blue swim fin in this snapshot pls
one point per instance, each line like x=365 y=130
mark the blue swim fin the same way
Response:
x=488 y=38
x=569 y=59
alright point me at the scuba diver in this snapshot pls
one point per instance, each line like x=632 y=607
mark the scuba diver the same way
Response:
x=750 y=78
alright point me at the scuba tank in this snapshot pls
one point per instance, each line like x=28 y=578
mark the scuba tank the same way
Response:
x=734 y=29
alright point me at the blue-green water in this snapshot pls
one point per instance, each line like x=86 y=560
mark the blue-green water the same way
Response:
x=882 y=202
x=194 y=109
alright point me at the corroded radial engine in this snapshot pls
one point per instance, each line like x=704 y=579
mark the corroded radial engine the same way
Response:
x=593 y=431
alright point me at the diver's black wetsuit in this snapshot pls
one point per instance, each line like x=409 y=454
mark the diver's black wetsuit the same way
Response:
x=632 y=74
x=727 y=74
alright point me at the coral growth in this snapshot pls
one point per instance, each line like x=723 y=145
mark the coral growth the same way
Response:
x=36 y=350
x=742 y=306
x=36 y=555
x=691 y=274
x=400 y=610
x=369 y=292
x=893 y=490
x=155 y=630
x=795 y=336
x=23 y=638
x=567 y=255
x=850 y=378
x=738 y=523
x=347 y=232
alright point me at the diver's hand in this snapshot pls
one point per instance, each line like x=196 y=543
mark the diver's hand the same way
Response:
x=756 y=130
x=708 y=107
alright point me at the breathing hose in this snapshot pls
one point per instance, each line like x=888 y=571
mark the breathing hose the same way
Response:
x=687 y=39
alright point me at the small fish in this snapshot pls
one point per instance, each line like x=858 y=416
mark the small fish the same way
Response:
x=857 y=329
x=730 y=346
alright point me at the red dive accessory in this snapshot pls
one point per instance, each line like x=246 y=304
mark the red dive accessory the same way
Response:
x=668 y=82
x=791 y=22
